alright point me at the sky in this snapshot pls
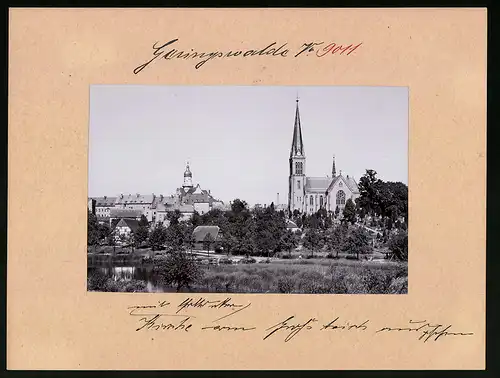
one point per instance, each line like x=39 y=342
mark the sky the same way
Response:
x=238 y=139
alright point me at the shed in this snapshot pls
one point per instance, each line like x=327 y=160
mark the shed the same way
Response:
x=200 y=232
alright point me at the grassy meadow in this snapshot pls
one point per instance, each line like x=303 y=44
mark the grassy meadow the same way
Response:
x=312 y=276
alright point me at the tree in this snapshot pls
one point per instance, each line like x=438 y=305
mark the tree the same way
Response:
x=350 y=211
x=189 y=239
x=289 y=241
x=398 y=245
x=357 y=242
x=208 y=240
x=368 y=200
x=239 y=223
x=196 y=219
x=229 y=242
x=158 y=237
x=238 y=206
x=178 y=269
x=92 y=230
x=104 y=231
x=112 y=240
x=271 y=206
x=268 y=228
x=336 y=238
x=385 y=199
x=141 y=235
x=312 y=240
x=323 y=218
x=143 y=222
x=176 y=232
x=174 y=217
x=337 y=212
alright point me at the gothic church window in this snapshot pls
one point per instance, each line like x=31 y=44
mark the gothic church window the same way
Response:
x=340 y=197
x=298 y=184
x=321 y=201
x=311 y=201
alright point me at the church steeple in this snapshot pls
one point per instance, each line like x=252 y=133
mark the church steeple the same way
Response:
x=297 y=178
x=334 y=171
x=297 y=144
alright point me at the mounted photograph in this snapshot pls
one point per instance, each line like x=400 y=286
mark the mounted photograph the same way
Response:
x=248 y=189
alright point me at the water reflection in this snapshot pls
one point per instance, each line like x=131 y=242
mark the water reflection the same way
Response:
x=143 y=273
x=126 y=273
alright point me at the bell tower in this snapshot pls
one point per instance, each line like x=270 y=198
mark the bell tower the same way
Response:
x=297 y=177
x=188 y=178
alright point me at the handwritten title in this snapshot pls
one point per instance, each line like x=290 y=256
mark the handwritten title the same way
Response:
x=225 y=316
x=170 y=50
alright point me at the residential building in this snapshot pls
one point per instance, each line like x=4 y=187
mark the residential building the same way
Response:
x=124 y=229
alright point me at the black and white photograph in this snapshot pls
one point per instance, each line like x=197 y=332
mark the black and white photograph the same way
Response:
x=248 y=189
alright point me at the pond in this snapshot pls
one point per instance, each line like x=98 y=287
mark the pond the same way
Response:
x=129 y=272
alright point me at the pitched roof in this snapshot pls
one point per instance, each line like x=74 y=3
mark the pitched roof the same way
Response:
x=290 y=224
x=318 y=184
x=198 y=198
x=297 y=144
x=193 y=190
x=161 y=203
x=136 y=199
x=200 y=232
x=165 y=207
x=133 y=224
x=124 y=213
x=105 y=201
x=349 y=181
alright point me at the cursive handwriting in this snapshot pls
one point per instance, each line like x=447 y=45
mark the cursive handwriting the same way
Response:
x=154 y=317
x=169 y=50
x=426 y=330
x=226 y=328
x=347 y=326
x=153 y=324
x=293 y=328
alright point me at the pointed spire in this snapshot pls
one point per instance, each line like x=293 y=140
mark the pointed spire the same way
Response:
x=297 y=144
x=334 y=170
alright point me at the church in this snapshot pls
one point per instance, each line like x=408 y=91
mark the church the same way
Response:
x=309 y=194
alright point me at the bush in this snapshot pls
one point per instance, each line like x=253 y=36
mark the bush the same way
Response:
x=111 y=286
x=135 y=286
x=248 y=260
x=357 y=242
x=96 y=281
x=285 y=284
x=376 y=282
x=178 y=269
x=398 y=244
x=399 y=285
